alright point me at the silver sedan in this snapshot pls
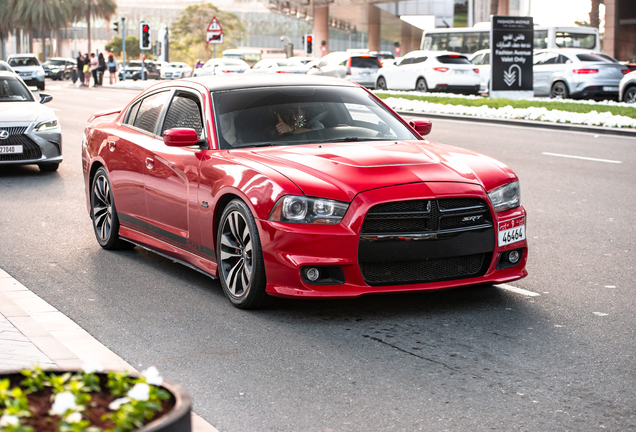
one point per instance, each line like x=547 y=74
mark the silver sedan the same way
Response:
x=576 y=73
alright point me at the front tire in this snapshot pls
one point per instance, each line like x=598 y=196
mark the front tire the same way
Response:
x=559 y=91
x=630 y=95
x=240 y=257
x=421 y=86
x=104 y=213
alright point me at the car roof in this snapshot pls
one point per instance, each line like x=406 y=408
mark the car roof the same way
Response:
x=245 y=81
x=22 y=55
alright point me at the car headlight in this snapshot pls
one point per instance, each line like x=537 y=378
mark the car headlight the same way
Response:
x=506 y=197
x=39 y=73
x=304 y=210
x=46 y=125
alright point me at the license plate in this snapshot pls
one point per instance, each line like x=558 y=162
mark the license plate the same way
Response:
x=512 y=231
x=461 y=72
x=612 y=89
x=25 y=74
x=10 y=149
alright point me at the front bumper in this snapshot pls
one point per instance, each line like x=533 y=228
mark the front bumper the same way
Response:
x=337 y=250
x=37 y=148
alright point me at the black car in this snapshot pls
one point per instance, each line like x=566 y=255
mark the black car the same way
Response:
x=133 y=70
x=59 y=68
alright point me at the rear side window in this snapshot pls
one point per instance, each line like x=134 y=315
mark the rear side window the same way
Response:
x=150 y=110
x=592 y=58
x=366 y=62
x=184 y=112
x=132 y=113
x=446 y=59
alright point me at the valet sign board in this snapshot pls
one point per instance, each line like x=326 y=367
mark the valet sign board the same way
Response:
x=214 y=32
x=511 y=46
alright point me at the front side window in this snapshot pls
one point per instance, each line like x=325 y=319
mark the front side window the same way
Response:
x=302 y=115
x=149 y=111
x=12 y=90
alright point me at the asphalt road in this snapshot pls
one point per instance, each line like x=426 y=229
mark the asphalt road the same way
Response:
x=459 y=360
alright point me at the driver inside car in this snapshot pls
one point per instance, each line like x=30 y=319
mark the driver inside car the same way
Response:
x=293 y=121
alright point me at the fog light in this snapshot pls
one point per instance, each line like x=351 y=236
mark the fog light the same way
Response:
x=313 y=274
x=513 y=256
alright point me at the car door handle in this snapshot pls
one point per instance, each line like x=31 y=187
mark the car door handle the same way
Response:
x=111 y=146
x=150 y=163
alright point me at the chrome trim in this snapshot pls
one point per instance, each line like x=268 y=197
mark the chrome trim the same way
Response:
x=394 y=237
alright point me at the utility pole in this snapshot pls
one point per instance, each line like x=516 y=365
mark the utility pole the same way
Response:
x=123 y=48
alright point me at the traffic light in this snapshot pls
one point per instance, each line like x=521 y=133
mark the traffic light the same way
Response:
x=144 y=36
x=116 y=27
x=309 y=45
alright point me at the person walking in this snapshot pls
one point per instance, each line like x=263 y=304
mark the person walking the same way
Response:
x=112 y=68
x=94 y=62
x=101 y=68
x=87 y=70
x=80 y=68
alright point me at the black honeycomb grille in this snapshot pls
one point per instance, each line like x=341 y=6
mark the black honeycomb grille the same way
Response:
x=30 y=150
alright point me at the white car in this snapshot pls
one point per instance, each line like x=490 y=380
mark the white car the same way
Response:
x=358 y=68
x=481 y=59
x=29 y=68
x=176 y=70
x=30 y=133
x=221 y=66
x=440 y=71
x=279 y=66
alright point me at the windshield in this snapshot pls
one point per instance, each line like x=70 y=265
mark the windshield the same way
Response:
x=12 y=90
x=302 y=115
x=56 y=63
x=24 y=61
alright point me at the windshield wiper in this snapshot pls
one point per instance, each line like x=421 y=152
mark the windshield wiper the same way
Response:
x=347 y=139
x=263 y=144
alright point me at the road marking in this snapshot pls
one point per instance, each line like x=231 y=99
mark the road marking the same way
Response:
x=582 y=157
x=518 y=290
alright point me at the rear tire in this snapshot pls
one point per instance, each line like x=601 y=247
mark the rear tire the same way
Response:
x=104 y=213
x=559 y=91
x=381 y=84
x=421 y=86
x=630 y=95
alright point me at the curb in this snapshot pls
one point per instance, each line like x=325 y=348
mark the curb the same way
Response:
x=527 y=123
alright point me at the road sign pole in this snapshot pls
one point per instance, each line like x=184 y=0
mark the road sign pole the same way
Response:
x=123 y=49
x=143 y=63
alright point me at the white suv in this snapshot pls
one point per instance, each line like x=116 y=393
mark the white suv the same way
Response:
x=29 y=68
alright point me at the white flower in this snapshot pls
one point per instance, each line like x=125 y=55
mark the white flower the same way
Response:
x=92 y=366
x=152 y=376
x=140 y=392
x=63 y=402
x=9 y=420
x=114 y=405
x=74 y=417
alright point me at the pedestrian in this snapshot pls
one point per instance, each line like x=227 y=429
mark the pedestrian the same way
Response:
x=112 y=68
x=87 y=70
x=80 y=68
x=94 y=62
x=101 y=68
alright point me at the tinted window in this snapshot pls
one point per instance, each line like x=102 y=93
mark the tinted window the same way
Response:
x=132 y=113
x=448 y=59
x=184 y=112
x=477 y=59
x=540 y=39
x=551 y=58
x=455 y=42
x=592 y=58
x=150 y=110
x=575 y=40
x=471 y=43
x=419 y=59
x=366 y=62
x=484 y=41
x=56 y=62
x=12 y=90
x=438 y=42
x=24 y=61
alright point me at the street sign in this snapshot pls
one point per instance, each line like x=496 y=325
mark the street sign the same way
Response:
x=214 y=32
x=398 y=50
x=511 y=55
x=323 y=48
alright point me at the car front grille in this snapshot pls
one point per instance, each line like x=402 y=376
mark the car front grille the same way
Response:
x=426 y=240
x=30 y=150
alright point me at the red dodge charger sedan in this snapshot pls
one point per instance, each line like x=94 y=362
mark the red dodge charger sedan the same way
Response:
x=298 y=186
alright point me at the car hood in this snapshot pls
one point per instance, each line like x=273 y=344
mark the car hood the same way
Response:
x=23 y=113
x=341 y=171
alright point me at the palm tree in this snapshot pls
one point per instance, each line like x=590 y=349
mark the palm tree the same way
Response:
x=43 y=15
x=88 y=9
x=494 y=7
x=594 y=18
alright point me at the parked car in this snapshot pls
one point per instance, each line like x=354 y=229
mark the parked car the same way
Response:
x=133 y=70
x=576 y=73
x=30 y=132
x=4 y=66
x=304 y=60
x=307 y=187
x=439 y=71
x=481 y=59
x=222 y=66
x=358 y=68
x=627 y=88
x=59 y=68
x=29 y=68
x=176 y=70
x=279 y=66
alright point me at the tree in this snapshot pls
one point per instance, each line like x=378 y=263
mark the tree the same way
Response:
x=43 y=15
x=494 y=7
x=89 y=9
x=188 y=32
x=132 y=46
x=594 y=18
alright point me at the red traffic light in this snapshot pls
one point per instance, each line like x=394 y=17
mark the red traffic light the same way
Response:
x=145 y=28
x=309 y=38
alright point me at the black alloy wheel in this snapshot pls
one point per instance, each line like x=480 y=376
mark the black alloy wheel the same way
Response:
x=240 y=257
x=630 y=95
x=421 y=85
x=381 y=84
x=559 y=91
x=104 y=213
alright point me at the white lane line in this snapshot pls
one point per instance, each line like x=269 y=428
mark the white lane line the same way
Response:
x=518 y=290
x=582 y=157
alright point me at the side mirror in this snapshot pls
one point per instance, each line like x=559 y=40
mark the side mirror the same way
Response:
x=422 y=126
x=180 y=137
x=45 y=97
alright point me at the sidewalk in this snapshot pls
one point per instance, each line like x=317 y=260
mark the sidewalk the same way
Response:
x=34 y=332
